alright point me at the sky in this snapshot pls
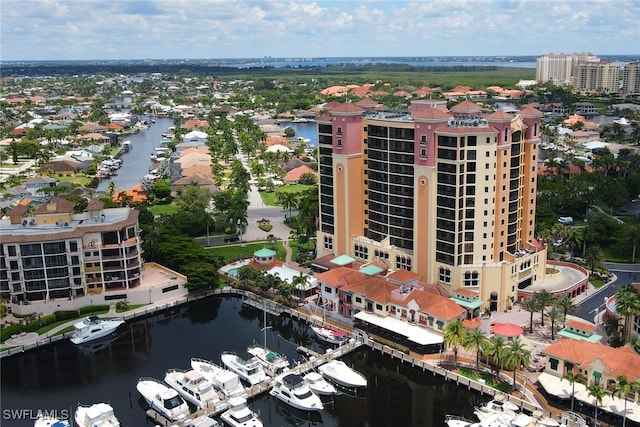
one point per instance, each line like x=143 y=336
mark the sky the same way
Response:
x=207 y=29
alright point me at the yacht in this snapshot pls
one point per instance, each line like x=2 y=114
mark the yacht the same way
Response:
x=248 y=370
x=329 y=335
x=272 y=363
x=193 y=387
x=97 y=415
x=494 y=420
x=93 y=328
x=163 y=399
x=495 y=406
x=202 y=421
x=223 y=379
x=239 y=414
x=47 y=421
x=293 y=390
x=338 y=372
x=318 y=384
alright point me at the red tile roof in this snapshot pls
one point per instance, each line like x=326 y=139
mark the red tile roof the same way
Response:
x=585 y=326
x=618 y=361
x=294 y=174
x=466 y=107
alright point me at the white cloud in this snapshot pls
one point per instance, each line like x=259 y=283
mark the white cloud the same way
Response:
x=93 y=29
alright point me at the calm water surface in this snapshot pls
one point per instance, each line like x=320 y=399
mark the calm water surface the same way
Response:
x=135 y=163
x=58 y=377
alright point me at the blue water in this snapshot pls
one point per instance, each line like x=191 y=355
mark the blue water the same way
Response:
x=135 y=163
x=58 y=377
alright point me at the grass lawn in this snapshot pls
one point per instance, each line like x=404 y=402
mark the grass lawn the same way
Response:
x=597 y=283
x=270 y=198
x=80 y=180
x=131 y=307
x=246 y=250
x=487 y=377
x=168 y=209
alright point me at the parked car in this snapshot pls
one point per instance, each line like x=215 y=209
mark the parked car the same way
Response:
x=557 y=243
x=232 y=238
x=566 y=220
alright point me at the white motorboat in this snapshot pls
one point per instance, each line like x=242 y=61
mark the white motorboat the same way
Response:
x=338 y=372
x=239 y=414
x=499 y=419
x=92 y=328
x=223 y=379
x=318 y=384
x=456 y=421
x=193 y=387
x=330 y=335
x=202 y=421
x=495 y=406
x=272 y=363
x=248 y=370
x=97 y=415
x=163 y=399
x=293 y=390
x=47 y=421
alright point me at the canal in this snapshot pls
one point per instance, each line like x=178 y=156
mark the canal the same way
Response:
x=57 y=378
x=135 y=163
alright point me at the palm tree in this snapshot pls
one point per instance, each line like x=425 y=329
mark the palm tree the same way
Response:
x=289 y=201
x=622 y=387
x=593 y=257
x=516 y=356
x=574 y=378
x=567 y=305
x=454 y=335
x=530 y=305
x=545 y=299
x=476 y=340
x=497 y=349
x=554 y=314
x=598 y=393
x=627 y=305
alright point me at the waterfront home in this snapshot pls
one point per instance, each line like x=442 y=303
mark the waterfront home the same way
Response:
x=600 y=365
x=370 y=299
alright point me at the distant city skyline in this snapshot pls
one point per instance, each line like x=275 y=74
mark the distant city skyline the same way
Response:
x=192 y=29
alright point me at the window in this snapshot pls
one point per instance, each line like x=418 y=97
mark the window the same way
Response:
x=379 y=307
x=470 y=279
x=381 y=254
x=339 y=130
x=423 y=139
x=423 y=153
x=328 y=242
x=506 y=134
x=444 y=275
x=11 y=250
x=328 y=290
x=360 y=251
x=403 y=263
x=358 y=300
x=339 y=143
x=553 y=363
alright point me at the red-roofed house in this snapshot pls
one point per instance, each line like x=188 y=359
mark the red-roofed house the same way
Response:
x=293 y=176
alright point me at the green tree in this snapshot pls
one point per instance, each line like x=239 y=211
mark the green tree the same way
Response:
x=497 y=349
x=628 y=306
x=598 y=393
x=573 y=378
x=530 y=305
x=545 y=299
x=621 y=388
x=454 y=334
x=289 y=201
x=593 y=257
x=517 y=355
x=476 y=340
x=565 y=302
x=554 y=314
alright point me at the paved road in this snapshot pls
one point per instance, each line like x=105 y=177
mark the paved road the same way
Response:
x=594 y=304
